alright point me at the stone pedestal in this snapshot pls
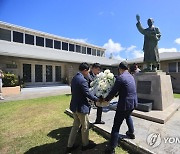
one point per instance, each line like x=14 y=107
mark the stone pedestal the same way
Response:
x=155 y=86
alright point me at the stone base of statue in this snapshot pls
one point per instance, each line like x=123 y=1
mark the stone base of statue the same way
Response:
x=154 y=90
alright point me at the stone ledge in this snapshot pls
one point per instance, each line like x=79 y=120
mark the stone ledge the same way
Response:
x=158 y=116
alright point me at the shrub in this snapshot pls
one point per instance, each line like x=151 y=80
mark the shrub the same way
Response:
x=10 y=80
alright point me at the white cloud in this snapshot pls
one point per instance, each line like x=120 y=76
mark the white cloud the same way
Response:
x=137 y=54
x=81 y=40
x=118 y=57
x=167 y=50
x=132 y=47
x=177 y=41
x=112 y=47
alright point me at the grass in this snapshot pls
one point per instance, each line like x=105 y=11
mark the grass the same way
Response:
x=40 y=126
x=177 y=95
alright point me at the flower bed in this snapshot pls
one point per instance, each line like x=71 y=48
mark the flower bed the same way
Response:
x=11 y=90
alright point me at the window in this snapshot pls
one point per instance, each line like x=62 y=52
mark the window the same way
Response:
x=178 y=66
x=27 y=72
x=78 y=48
x=172 y=67
x=58 y=73
x=38 y=73
x=71 y=47
x=17 y=37
x=94 y=52
x=49 y=43
x=49 y=73
x=65 y=46
x=84 y=50
x=29 y=39
x=89 y=51
x=39 y=41
x=5 y=34
x=98 y=52
x=57 y=44
x=102 y=53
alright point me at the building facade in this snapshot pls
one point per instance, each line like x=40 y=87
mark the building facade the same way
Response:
x=42 y=58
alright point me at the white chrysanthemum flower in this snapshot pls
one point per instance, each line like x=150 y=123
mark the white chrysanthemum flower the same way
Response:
x=107 y=71
x=110 y=76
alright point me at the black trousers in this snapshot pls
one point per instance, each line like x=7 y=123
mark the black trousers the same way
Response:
x=99 y=114
x=118 y=119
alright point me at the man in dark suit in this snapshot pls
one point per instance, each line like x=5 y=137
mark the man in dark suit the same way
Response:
x=95 y=69
x=80 y=107
x=126 y=88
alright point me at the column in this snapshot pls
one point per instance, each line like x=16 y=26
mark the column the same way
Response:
x=32 y=73
x=11 y=36
x=53 y=73
x=44 y=73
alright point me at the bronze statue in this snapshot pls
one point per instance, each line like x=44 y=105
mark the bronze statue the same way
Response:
x=151 y=37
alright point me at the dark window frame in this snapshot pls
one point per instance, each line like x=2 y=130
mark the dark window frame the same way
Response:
x=98 y=53
x=27 y=39
x=49 y=43
x=18 y=37
x=82 y=51
x=71 y=47
x=92 y=52
x=171 y=68
x=5 y=34
x=89 y=51
x=57 y=44
x=78 y=47
x=39 y=38
x=65 y=46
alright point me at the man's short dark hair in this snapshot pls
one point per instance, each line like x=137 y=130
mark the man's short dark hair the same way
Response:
x=123 y=65
x=96 y=65
x=84 y=66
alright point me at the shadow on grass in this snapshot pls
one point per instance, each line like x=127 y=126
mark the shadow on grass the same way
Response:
x=59 y=147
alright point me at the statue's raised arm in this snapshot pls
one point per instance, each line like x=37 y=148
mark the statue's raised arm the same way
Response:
x=138 y=18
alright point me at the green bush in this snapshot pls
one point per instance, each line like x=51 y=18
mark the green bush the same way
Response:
x=10 y=80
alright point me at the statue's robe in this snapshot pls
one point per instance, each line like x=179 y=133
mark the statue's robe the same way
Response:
x=151 y=37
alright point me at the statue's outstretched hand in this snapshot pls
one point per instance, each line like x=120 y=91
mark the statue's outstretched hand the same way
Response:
x=138 y=18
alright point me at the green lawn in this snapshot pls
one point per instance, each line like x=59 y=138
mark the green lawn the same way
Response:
x=40 y=126
x=177 y=95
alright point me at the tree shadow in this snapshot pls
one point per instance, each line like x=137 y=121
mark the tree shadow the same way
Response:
x=59 y=147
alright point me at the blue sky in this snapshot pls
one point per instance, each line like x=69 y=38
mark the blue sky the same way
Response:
x=107 y=23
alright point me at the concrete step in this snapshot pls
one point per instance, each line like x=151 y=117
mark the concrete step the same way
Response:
x=146 y=107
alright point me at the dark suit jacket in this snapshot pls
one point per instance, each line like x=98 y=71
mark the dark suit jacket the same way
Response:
x=90 y=77
x=80 y=93
x=126 y=87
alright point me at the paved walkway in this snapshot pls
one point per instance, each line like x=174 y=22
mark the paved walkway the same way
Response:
x=36 y=92
x=169 y=138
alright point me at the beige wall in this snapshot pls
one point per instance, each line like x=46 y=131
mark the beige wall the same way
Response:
x=19 y=70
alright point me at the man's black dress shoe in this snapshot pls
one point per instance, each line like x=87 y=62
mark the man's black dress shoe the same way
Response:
x=130 y=135
x=70 y=149
x=91 y=145
x=99 y=122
